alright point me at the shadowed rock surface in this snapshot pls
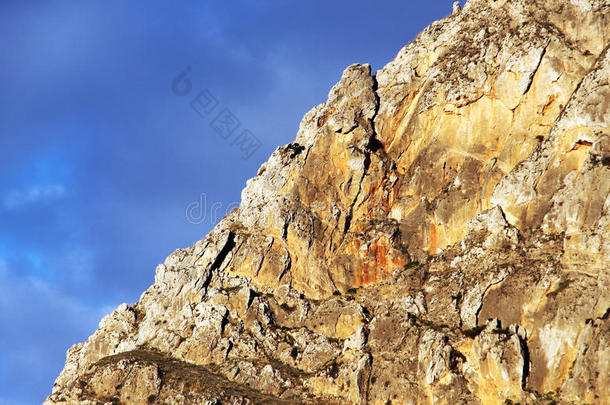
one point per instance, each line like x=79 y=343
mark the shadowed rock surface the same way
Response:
x=439 y=232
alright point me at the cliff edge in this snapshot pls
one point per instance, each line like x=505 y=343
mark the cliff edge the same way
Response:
x=439 y=232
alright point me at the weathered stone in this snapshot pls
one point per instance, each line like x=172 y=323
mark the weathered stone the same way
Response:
x=437 y=233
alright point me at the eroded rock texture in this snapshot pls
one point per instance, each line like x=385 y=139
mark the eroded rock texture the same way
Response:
x=437 y=233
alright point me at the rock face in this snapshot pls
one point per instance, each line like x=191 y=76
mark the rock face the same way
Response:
x=439 y=232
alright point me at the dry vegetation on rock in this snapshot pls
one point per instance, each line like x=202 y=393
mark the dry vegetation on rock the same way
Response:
x=437 y=233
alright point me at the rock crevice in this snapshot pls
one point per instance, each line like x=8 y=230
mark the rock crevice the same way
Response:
x=376 y=259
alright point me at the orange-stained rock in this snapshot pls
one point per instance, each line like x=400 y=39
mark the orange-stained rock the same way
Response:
x=439 y=232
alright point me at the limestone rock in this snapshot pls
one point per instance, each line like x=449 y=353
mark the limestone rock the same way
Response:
x=437 y=233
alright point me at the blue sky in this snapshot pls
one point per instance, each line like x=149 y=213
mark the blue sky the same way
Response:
x=100 y=158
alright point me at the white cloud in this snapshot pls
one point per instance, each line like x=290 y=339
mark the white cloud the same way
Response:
x=6 y=401
x=18 y=198
x=40 y=323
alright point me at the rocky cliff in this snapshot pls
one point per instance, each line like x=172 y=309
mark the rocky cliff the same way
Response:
x=439 y=232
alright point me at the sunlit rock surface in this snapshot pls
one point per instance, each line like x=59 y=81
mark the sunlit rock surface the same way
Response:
x=437 y=233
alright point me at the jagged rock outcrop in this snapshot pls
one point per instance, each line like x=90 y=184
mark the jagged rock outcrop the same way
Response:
x=439 y=232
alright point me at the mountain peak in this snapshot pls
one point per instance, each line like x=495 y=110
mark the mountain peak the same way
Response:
x=438 y=231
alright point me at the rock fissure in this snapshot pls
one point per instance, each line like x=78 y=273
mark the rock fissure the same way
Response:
x=375 y=259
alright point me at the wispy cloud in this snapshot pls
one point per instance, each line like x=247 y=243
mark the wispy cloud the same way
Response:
x=41 y=322
x=18 y=198
x=98 y=162
x=5 y=401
